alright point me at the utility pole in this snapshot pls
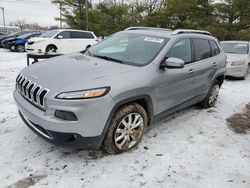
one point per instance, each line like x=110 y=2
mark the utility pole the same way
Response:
x=87 y=16
x=3 y=16
x=60 y=15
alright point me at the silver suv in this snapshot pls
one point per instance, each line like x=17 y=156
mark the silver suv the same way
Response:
x=107 y=95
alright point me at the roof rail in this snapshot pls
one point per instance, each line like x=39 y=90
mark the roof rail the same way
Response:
x=183 y=31
x=147 y=28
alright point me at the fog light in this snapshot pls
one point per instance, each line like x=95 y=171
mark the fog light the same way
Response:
x=65 y=115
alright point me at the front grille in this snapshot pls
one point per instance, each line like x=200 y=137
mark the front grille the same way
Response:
x=31 y=91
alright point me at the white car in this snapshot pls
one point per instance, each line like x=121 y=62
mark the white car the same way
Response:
x=61 y=41
x=238 y=58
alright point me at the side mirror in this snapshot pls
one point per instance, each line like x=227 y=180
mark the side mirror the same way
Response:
x=172 y=63
x=60 y=37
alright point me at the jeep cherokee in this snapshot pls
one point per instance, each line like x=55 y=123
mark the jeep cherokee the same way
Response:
x=107 y=95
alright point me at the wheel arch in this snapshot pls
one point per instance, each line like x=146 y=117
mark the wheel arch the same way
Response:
x=220 y=79
x=51 y=45
x=144 y=100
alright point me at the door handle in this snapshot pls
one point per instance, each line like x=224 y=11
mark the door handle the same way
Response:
x=190 y=71
x=214 y=64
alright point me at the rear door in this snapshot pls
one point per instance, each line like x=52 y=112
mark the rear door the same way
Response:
x=204 y=64
x=63 y=42
x=82 y=39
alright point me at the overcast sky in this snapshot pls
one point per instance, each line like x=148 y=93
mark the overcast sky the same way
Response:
x=43 y=12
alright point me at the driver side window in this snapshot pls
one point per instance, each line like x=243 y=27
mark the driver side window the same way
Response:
x=64 y=34
x=182 y=50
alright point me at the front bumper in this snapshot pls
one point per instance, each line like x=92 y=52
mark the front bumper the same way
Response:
x=87 y=132
x=236 y=71
x=63 y=139
x=34 y=49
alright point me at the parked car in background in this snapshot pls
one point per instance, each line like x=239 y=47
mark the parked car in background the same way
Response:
x=108 y=94
x=61 y=41
x=18 y=44
x=11 y=35
x=238 y=58
x=1 y=34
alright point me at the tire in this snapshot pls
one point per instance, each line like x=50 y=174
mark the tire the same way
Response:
x=212 y=96
x=13 y=48
x=51 y=49
x=20 y=48
x=121 y=137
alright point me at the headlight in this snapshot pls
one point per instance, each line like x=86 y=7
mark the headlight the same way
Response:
x=84 y=94
x=237 y=63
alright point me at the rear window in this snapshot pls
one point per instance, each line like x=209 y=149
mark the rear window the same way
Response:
x=80 y=35
x=214 y=48
x=202 y=49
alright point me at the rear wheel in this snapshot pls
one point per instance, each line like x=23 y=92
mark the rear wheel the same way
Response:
x=126 y=129
x=212 y=96
x=20 y=48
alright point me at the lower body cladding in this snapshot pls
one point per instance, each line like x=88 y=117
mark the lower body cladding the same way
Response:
x=236 y=71
x=83 y=125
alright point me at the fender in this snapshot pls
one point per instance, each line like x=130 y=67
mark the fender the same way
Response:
x=150 y=110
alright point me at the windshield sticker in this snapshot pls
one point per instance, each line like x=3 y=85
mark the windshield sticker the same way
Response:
x=151 y=39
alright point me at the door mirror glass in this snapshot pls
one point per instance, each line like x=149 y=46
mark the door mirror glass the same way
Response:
x=60 y=37
x=172 y=63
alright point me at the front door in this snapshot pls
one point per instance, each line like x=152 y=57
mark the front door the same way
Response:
x=176 y=86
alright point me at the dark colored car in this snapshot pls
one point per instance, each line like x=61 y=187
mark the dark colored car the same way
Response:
x=18 y=44
x=11 y=35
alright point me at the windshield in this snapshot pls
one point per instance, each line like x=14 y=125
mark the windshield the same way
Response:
x=13 y=34
x=129 y=48
x=235 y=48
x=49 y=34
x=23 y=36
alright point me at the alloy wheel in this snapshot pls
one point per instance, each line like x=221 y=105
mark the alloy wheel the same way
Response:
x=214 y=95
x=129 y=131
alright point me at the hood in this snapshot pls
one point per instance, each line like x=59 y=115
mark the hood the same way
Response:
x=235 y=57
x=35 y=39
x=75 y=72
x=10 y=39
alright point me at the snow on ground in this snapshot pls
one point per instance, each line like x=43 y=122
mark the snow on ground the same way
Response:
x=192 y=148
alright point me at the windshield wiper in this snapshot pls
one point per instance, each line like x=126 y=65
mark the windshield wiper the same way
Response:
x=108 y=58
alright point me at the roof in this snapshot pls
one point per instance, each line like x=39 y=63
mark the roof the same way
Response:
x=167 y=33
x=72 y=30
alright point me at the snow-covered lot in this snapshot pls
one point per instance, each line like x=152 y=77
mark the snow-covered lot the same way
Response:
x=192 y=148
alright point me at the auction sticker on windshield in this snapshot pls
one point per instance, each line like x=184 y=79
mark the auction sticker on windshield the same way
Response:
x=152 y=39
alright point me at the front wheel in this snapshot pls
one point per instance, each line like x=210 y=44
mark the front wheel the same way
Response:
x=247 y=73
x=20 y=48
x=126 y=129
x=51 y=49
x=212 y=96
